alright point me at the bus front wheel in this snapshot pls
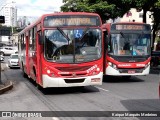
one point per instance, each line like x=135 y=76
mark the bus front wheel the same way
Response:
x=24 y=74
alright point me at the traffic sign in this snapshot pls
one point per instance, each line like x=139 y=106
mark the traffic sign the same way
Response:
x=2 y=19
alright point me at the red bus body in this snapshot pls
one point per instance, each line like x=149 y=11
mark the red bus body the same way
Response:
x=67 y=67
x=127 y=49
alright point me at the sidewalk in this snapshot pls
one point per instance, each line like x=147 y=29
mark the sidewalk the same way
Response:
x=5 y=84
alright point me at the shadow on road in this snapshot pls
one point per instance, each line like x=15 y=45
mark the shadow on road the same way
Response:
x=2 y=61
x=143 y=105
x=115 y=79
x=155 y=70
x=14 y=68
x=70 y=90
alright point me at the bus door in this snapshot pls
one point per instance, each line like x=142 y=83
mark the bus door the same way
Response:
x=27 y=55
x=32 y=54
x=23 y=52
x=38 y=58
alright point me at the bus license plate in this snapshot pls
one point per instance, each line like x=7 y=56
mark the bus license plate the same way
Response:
x=131 y=71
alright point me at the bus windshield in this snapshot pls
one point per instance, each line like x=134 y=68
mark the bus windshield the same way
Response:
x=73 y=45
x=129 y=44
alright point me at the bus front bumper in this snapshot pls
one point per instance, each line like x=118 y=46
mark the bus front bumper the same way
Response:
x=72 y=82
x=115 y=72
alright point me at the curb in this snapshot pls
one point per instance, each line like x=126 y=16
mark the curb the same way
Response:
x=6 y=87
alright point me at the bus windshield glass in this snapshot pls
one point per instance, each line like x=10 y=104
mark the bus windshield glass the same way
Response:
x=73 y=45
x=129 y=44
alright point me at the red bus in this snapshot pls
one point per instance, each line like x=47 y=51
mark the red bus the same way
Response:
x=127 y=49
x=63 y=50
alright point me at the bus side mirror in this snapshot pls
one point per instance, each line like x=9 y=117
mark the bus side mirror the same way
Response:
x=41 y=41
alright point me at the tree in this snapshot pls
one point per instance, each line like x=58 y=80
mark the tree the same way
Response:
x=104 y=8
x=156 y=15
x=154 y=7
x=144 y=5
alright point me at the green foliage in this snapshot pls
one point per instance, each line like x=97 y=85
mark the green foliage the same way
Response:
x=157 y=4
x=103 y=7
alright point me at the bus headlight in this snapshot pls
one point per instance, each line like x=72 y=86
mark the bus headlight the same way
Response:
x=48 y=71
x=109 y=63
x=147 y=65
x=94 y=70
x=98 y=69
x=112 y=65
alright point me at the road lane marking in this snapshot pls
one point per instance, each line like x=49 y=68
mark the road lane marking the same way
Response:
x=102 y=89
x=55 y=118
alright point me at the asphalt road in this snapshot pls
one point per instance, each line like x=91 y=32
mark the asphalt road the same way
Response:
x=116 y=94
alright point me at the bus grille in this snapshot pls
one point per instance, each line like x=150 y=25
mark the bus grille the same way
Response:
x=74 y=75
x=73 y=68
x=74 y=80
x=126 y=70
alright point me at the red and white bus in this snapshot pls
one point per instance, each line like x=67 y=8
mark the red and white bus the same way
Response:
x=63 y=50
x=127 y=49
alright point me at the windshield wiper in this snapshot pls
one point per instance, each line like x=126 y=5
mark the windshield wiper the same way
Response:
x=84 y=33
x=122 y=34
x=61 y=31
x=141 y=35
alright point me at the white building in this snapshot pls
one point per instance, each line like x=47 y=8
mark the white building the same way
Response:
x=133 y=14
x=137 y=16
x=9 y=10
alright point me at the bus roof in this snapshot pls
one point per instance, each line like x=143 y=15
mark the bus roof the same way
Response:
x=56 y=14
x=133 y=26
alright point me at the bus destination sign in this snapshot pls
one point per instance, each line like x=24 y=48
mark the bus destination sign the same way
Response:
x=129 y=27
x=52 y=21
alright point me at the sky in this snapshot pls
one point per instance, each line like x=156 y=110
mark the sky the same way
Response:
x=35 y=7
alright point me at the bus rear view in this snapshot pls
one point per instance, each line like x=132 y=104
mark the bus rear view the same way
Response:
x=128 y=49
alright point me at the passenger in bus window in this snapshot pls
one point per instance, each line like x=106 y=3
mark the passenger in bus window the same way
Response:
x=49 y=48
x=85 y=40
x=92 y=38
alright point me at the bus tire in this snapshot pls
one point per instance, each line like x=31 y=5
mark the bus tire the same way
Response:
x=34 y=71
x=39 y=87
x=24 y=74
